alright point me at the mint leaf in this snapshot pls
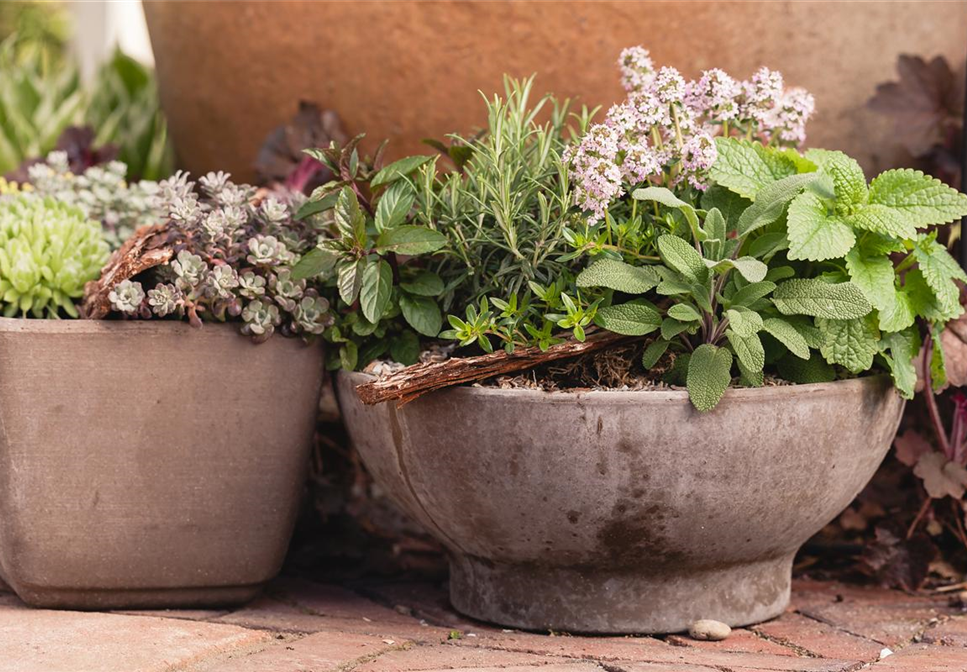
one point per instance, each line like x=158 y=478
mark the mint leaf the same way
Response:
x=900 y=313
x=849 y=182
x=938 y=362
x=405 y=348
x=398 y=169
x=923 y=300
x=922 y=199
x=619 y=276
x=904 y=347
x=813 y=370
x=313 y=263
x=394 y=206
x=882 y=219
x=940 y=270
x=815 y=235
x=786 y=334
x=849 y=343
x=410 y=240
x=375 y=290
x=422 y=314
x=748 y=349
x=426 y=283
x=636 y=318
x=709 y=374
x=682 y=257
x=349 y=278
x=820 y=299
x=874 y=276
x=653 y=353
x=746 y=167
x=349 y=217
x=771 y=202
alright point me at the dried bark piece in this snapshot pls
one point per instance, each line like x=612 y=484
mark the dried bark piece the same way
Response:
x=150 y=246
x=415 y=381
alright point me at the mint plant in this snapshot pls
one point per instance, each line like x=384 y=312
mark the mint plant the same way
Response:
x=370 y=254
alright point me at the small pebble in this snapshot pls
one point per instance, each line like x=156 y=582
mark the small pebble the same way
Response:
x=709 y=630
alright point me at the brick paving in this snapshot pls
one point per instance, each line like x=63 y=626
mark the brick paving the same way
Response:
x=387 y=626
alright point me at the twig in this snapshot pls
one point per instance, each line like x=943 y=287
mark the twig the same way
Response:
x=415 y=381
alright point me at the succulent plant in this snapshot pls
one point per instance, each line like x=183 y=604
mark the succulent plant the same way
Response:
x=233 y=262
x=48 y=250
x=101 y=192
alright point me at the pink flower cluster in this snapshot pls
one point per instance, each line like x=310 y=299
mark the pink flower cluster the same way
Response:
x=663 y=132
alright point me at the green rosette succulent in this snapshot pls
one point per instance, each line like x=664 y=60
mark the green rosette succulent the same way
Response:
x=48 y=251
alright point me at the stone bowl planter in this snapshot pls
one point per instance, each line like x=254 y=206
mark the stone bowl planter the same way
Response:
x=624 y=512
x=149 y=464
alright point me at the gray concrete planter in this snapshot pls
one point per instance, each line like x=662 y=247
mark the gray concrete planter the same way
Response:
x=149 y=464
x=624 y=512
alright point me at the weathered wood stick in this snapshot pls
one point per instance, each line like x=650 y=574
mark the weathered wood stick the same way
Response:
x=414 y=381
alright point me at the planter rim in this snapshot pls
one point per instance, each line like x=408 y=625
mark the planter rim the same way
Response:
x=14 y=325
x=836 y=387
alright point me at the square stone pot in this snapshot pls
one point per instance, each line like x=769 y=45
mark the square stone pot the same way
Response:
x=149 y=464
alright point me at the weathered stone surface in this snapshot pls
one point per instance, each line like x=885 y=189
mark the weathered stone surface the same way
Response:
x=40 y=640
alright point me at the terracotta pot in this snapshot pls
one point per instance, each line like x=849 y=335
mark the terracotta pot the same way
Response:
x=149 y=464
x=231 y=71
x=624 y=512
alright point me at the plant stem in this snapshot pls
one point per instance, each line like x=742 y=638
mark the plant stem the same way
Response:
x=931 y=398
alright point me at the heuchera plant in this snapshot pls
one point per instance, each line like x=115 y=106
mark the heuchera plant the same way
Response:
x=234 y=260
x=48 y=250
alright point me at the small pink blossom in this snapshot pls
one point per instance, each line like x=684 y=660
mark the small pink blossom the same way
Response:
x=636 y=67
x=789 y=119
x=761 y=94
x=715 y=94
x=669 y=86
x=698 y=155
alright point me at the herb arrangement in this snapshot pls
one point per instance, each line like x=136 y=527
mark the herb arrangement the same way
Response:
x=687 y=216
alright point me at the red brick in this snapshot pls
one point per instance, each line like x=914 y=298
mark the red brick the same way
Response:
x=952 y=632
x=819 y=638
x=446 y=656
x=318 y=652
x=32 y=640
x=741 y=640
x=889 y=624
x=924 y=658
x=267 y=613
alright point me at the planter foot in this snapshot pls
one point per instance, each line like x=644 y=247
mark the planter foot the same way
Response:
x=157 y=598
x=601 y=601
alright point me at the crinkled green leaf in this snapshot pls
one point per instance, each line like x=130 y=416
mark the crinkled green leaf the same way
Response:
x=788 y=335
x=746 y=167
x=635 y=318
x=874 y=275
x=923 y=300
x=771 y=202
x=405 y=348
x=670 y=327
x=714 y=245
x=938 y=362
x=684 y=313
x=682 y=257
x=394 y=206
x=313 y=263
x=653 y=353
x=349 y=217
x=850 y=343
x=849 y=182
x=924 y=200
x=709 y=374
x=814 y=234
x=768 y=244
x=349 y=278
x=748 y=349
x=904 y=347
x=899 y=314
x=425 y=283
x=667 y=198
x=619 y=276
x=940 y=270
x=751 y=293
x=816 y=298
x=882 y=219
x=743 y=321
x=729 y=203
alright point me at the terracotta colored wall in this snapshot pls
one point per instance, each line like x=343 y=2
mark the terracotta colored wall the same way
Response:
x=407 y=70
